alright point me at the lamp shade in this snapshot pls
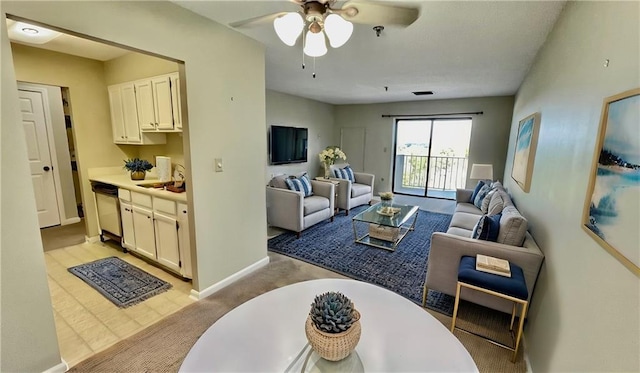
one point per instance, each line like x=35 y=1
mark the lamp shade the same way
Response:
x=481 y=171
x=314 y=45
x=289 y=27
x=338 y=30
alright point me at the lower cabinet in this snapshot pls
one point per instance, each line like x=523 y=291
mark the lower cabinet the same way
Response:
x=158 y=229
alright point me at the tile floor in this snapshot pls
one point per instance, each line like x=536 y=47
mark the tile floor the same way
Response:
x=86 y=321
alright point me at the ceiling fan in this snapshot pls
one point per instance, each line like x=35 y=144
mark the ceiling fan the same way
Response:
x=323 y=15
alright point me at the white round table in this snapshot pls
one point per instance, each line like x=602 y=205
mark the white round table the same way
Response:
x=266 y=334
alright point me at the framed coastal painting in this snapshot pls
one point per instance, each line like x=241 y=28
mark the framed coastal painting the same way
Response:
x=525 y=151
x=612 y=205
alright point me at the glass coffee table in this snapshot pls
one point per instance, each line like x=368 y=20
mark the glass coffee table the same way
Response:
x=385 y=229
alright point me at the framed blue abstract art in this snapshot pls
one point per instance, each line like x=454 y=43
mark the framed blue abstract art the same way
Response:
x=612 y=205
x=525 y=151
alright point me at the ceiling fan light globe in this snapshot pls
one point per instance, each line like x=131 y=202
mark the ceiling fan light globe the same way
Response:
x=338 y=30
x=289 y=27
x=314 y=44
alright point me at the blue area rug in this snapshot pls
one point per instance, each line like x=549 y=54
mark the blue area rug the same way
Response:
x=331 y=245
x=120 y=282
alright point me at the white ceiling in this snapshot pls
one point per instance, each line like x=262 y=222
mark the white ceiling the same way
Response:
x=455 y=49
x=70 y=44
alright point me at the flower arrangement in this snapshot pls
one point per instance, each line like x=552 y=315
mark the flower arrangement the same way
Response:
x=331 y=154
x=386 y=196
x=137 y=165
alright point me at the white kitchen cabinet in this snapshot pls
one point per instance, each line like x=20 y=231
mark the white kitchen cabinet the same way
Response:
x=183 y=240
x=124 y=117
x=144 y=231
x=167 y=250
x=175 y=101
x=153 y=98
x=128 y=230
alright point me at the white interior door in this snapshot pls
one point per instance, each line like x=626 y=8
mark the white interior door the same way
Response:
x=352 y=142
x=35 y=131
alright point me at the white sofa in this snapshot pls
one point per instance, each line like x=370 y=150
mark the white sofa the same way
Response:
x=447 y=249
x=289 y=209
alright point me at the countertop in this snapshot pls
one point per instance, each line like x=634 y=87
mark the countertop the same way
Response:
x=124 y=181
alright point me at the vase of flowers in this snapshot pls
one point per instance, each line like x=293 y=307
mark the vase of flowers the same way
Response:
x=138 y=168
x=333 y=326
x=329 y=156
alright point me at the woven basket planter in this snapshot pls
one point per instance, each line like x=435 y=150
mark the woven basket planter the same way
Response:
x=333 y=346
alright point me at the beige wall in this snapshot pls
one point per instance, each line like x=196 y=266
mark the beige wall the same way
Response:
x=287 y=110
x=489 y=133
x=134 y=66
x=173 y=148
x=89 y=108
x=586 y=306
x=225 y=98
x=27 y=330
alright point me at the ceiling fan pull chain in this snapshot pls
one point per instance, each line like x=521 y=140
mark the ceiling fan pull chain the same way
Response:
x=303 y=41
x=314 y=67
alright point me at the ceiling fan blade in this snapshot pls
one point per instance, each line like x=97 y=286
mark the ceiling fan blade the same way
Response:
x=257 y=21
x=378 y=14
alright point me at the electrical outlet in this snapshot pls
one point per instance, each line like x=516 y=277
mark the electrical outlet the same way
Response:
x=218 y=164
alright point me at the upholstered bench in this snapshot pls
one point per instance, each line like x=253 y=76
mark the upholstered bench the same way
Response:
x=512 y=288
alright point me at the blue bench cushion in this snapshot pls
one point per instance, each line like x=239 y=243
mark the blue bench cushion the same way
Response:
x=514 y=286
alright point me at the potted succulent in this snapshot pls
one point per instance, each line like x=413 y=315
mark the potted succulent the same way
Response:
x=138 y=167
x=333 y=326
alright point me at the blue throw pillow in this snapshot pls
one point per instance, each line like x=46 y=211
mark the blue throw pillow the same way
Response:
x=487 y=228
x=345 y=173
x=301 y=184
x=477 y=201
x=476 y=190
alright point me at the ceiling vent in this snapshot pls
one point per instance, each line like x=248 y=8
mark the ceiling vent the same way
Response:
x=423 y=93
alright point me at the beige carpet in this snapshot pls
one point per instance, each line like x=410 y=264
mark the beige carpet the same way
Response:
x=63 y=236
x=163 y=346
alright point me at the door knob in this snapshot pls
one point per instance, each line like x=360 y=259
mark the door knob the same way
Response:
x=46 y=168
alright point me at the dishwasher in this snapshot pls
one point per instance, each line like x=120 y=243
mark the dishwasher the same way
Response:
x=108 y=206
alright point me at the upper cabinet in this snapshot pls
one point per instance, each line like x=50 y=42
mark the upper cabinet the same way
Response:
x=142 y=111
x=124 y=118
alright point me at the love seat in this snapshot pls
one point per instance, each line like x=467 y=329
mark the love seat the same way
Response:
x=514 y=243
x=291 y=210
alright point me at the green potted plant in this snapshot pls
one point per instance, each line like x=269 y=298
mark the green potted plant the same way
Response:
x=138 y=167
x=333 y=326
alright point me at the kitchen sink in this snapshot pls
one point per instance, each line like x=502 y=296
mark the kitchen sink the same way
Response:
x=154 y=185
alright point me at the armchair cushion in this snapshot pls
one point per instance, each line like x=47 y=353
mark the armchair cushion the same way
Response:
x=314 y=204
x=344 y=173
x=359 y=190
x=301 y=184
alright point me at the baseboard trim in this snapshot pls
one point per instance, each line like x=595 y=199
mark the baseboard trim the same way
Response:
x=93 y=239
x=71 y=221
x=58 y=368
x=525 y=356
x=197 y=295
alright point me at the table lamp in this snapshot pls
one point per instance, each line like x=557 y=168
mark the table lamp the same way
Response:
x=481 y=171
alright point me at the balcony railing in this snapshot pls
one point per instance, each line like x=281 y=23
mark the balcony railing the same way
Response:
x=445 y=173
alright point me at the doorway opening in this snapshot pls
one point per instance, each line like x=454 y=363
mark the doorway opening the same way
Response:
x=431 y=156
x=82 y=140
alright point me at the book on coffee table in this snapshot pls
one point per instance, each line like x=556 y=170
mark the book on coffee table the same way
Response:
x=493 y=265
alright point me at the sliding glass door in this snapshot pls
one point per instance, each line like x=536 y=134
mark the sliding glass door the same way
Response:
x=431 y=156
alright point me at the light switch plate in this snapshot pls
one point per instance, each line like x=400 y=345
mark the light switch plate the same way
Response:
x=218 y=164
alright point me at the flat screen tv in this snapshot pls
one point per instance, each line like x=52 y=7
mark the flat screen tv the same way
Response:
x=288 y=144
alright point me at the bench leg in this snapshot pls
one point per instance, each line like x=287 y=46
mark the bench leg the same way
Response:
x=425 y=291
x=520 y=327
x=455 y=308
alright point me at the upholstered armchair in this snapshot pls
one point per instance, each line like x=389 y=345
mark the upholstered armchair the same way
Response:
x=353 y=193
x=291 y=210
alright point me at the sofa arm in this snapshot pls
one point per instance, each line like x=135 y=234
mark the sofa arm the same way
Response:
x=285 y=208
x=464 y=195
x=327 y=190
x=447 y=249
x=344 y=192
x=366 y=179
